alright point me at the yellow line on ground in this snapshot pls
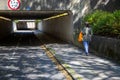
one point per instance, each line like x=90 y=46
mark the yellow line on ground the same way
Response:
x=66 y=66
x=60 y=67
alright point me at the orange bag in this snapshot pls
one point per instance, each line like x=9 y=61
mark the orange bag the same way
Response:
x=80 y=38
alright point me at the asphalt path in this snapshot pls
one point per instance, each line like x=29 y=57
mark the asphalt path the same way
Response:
x=22 y=58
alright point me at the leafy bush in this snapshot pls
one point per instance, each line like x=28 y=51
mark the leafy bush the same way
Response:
x=104 y=23
x=116 y=25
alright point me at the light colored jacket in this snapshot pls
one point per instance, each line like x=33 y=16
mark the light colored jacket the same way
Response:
x=87 y=33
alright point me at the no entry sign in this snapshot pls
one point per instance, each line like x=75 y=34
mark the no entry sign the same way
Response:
x=14 y=4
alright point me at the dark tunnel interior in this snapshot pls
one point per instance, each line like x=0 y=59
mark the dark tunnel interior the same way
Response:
x=28 y=39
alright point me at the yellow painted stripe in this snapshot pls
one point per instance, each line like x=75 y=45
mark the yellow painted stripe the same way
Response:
x=72 y=72
x=1 y=17
x=59 y=66
x=60 y=15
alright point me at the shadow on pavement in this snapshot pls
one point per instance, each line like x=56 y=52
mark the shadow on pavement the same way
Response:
x=88 y=67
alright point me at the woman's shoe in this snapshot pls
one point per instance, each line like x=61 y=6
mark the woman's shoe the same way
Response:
x=87 y=54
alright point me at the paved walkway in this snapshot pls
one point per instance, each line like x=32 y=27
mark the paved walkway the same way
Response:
x=27 y=63
x=85 y=67
x=22 y=58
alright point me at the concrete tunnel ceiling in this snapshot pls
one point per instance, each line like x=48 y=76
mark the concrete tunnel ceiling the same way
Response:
x=31 y=14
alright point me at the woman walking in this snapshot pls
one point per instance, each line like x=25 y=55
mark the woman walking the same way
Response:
x=87 y=34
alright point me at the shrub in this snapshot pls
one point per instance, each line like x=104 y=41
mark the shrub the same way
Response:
x=116 y=24
x=104 y=23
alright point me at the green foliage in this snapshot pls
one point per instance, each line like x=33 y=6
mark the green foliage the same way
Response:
x=116 y=25
x=16 y=21
x=104 y=23
x=38 y=20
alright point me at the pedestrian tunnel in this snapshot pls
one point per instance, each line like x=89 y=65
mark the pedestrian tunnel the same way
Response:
x=58 y=23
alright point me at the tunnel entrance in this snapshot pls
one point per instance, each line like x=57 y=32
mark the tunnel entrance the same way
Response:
x=57 y=24
x=25 y=24
x=22 y=33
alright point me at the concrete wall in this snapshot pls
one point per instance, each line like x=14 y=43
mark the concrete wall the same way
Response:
x=5 y=27
x=40 y=26
x=60 y=27
x=107 y=47
x=3 y=5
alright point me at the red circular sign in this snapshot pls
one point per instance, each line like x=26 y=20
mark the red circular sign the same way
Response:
x=14 y=4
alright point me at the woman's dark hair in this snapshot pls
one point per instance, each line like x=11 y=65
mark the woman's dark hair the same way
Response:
x=87 y=24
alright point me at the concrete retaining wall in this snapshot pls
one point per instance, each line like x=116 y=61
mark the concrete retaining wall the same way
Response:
x=5 y=27
x=60 y=27
x=107 y=47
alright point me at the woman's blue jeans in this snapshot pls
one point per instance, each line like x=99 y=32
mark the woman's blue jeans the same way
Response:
x=86 y=46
